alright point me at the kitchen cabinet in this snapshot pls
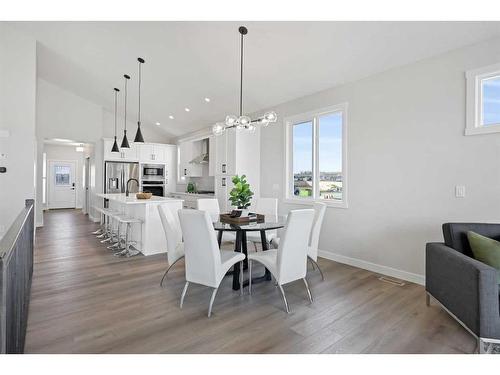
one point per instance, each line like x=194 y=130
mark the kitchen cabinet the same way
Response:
x=188 y=150
x=152 y=152
x=236 y=153
x=125 y=154
x=211 y=156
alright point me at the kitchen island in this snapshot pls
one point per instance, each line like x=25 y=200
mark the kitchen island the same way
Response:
x=151 y=239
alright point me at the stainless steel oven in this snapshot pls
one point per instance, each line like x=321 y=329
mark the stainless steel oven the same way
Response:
x=155 y=187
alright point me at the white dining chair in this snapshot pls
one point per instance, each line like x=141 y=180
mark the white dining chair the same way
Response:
x=173 y=234
x=211 y=205
x=312 y=249
x=205 y=263
x=288 y=262
x=269 y=208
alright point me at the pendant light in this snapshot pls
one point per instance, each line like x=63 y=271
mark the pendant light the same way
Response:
x=138 y=135
x=115 y=144
x=125 y=140
x=243 y=122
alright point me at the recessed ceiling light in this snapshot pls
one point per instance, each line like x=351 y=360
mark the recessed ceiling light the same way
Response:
x=207 y=100
x=158 y=124
x=171 y=117
x=187 y=109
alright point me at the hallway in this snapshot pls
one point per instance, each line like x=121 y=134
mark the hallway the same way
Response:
x=85 y=300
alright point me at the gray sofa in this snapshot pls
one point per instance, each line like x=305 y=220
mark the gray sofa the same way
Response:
x=465 y=287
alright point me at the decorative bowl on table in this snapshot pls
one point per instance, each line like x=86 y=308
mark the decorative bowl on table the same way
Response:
x=143 y=195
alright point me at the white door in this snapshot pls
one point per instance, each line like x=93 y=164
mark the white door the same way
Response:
x=62 y=184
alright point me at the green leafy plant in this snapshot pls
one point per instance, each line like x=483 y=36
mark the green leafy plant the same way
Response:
x=241 y=195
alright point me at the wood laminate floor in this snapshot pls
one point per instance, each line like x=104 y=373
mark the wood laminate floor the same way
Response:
x=85 y=300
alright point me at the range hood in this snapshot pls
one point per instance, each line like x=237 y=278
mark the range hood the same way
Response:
x=203 y=157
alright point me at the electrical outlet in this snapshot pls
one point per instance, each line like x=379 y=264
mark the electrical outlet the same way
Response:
x=460 y=191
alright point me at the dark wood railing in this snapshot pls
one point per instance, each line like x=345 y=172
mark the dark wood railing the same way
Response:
x=16 y=270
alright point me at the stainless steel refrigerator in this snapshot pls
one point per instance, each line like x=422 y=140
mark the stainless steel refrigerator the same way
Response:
x=116 y=175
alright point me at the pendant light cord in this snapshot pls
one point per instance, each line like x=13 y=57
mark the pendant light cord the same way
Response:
x=115 y=111
x=139 y=111
x=125 y=116
x=241 y=77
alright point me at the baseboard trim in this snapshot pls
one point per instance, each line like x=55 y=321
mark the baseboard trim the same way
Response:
x=94 y=219
x=377 y=268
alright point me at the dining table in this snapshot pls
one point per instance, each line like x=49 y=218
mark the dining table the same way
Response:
x=240 y=243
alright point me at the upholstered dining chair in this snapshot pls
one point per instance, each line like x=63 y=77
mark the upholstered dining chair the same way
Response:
x=211 y=205
x=312 y=249
x=205 y=263
x=173 y=234
x=288 y=262
x=269 y=208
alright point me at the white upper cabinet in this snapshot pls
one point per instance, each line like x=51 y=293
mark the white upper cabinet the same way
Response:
x=152 y=152
x=211 y=156
x=125 y=154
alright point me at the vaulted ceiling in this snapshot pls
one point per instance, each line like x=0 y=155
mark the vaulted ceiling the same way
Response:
x=189 y=61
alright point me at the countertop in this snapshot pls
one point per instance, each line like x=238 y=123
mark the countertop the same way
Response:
x=131 y=199
x=195 y=195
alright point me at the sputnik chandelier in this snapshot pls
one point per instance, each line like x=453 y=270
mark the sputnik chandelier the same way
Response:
x=242 y=122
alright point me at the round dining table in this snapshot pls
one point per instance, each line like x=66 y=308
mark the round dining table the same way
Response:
x=240 y=244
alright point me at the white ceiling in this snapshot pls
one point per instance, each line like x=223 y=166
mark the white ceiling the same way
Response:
x=188 y=61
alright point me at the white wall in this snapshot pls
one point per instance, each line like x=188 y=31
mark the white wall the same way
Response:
x=56 y=152
x=406 y=153
x=17 y=116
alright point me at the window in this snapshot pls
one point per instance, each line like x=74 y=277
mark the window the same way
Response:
x=62 y=175
x=483 y=100
x=316 y=156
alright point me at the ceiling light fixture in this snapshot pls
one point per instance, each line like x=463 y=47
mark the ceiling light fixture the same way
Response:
x=171 y=117
x=158 y=124
x=207 y=100
x=187 y=109
x=125 y=143
x=138 y=135
x=115 y=144
x=242 y=122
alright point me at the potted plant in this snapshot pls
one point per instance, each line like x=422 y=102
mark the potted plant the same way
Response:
x=241 y=195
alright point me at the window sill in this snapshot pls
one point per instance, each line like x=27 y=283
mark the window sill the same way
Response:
x=483 y=130
x=309 y=202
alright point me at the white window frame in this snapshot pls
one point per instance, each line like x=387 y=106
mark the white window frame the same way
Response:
x=474 y=100
x=313 y=116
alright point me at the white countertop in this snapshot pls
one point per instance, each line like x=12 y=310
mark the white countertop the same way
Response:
x=131 y=199
x=196 y=195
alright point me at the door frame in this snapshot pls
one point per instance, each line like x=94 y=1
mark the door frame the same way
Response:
x=49 y=179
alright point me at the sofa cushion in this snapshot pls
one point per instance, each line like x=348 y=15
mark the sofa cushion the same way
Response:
x=455 y=234
x=486 y=250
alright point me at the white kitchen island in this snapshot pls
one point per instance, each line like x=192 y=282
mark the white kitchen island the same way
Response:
x=151 y=239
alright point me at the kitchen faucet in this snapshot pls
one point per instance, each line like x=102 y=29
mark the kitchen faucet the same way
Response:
x=131 y=179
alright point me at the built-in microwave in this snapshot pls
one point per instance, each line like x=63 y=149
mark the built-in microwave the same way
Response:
x=153 y=171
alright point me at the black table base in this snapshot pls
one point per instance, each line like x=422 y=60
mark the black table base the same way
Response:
x=240 y=245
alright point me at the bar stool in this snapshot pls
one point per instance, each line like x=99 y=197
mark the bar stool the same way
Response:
x=128 y=251
x=115 y=235
x=107 y=235
x=101 y=221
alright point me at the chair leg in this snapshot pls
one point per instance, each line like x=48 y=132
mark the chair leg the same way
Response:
x=168 y=269
x=184 y=291
x=255 y=246
x=249 y=276
x=241 y=278
x=312 y=263
x=427 y=299
x=317 y=266
x=284 y=299
x=212 y=301
x=308 y=290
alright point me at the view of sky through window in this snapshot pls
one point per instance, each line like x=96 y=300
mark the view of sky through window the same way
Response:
x=491 y=101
